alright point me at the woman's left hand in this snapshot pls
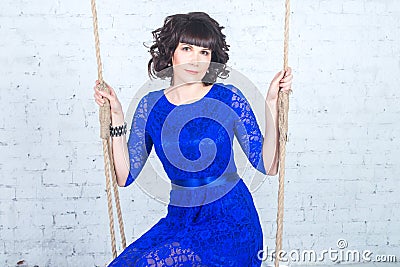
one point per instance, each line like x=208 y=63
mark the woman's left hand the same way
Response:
x=282 y=81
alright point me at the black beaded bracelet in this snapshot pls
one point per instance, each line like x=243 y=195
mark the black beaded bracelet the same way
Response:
x=118 y=130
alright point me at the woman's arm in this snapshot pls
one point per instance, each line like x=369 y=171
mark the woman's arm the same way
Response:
x=271 y=160
x=119 y=144
x=120 y=151
x=281 y=81
x=129 y=157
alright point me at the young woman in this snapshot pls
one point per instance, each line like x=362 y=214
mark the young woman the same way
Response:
x=211 y=219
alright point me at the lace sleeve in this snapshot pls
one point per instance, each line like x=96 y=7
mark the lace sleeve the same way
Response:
x=247 y=130
x=139 y=142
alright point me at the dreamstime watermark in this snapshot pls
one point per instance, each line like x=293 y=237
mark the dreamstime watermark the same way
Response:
x=336 y=255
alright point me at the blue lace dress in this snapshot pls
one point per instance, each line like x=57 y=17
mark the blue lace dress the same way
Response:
x=211 y=219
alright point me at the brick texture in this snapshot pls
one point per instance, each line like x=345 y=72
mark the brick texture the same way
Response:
x=342 y=164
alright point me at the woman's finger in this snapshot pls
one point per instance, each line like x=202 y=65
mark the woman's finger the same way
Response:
x=97 y=92
x=105 y=94
x=281 y=74
x=275 y=81
x=99 y=103
x=112 y=92
x=278 y=76
x=98 y=97
x=284 y=85
x=288 y=71
x=287 y=78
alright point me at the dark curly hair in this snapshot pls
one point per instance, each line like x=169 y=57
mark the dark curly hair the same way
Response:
x=195 y=28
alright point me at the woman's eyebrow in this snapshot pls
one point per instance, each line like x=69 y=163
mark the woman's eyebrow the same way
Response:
x=192 y=46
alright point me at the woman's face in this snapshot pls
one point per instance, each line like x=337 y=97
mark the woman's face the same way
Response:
x=190 y=63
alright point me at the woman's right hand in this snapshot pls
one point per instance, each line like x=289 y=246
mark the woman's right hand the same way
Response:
x=99 y=96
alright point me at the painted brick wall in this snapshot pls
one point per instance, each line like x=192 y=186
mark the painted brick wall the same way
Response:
x=342 y=164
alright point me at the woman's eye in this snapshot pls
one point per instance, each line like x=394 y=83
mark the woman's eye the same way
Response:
x=186 y=48
x=205 y=53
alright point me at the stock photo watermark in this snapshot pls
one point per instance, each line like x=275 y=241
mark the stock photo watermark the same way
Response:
x=335 y=255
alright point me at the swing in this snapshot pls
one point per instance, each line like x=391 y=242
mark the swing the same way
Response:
x=105 y=120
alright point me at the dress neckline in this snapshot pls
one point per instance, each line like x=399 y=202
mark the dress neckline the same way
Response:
x=188 y=104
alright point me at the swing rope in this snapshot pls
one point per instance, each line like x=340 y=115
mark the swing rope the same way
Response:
x=105 y=120
x=283 y=108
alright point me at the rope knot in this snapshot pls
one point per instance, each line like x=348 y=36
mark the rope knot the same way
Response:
x=104 y=114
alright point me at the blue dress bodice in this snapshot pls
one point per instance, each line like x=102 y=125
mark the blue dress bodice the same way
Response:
x=194 y=140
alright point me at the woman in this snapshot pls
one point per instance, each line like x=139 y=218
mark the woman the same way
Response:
x=211 y=219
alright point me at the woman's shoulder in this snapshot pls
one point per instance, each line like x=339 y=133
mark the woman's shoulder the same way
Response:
x=231 y=89
x=147 y=101
x=154 y=93
x=152 y=96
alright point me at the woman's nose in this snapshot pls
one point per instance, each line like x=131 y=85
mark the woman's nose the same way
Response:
x=195 y=59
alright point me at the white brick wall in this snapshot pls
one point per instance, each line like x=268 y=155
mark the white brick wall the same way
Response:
x=342 y=175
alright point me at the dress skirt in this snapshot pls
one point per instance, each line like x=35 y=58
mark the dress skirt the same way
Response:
x=225 y=232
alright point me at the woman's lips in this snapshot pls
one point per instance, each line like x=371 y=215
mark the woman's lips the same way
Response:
x=192 y=71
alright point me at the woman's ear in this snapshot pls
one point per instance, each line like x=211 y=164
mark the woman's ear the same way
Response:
x=172 y=59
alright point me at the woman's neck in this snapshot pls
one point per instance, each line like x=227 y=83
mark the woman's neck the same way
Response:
x=186 y=93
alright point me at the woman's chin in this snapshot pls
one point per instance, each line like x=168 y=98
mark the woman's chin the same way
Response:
x=190 y=80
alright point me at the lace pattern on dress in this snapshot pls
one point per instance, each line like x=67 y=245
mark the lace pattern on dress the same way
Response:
x=139 y=142
x=171 y=254
x=247 y=130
